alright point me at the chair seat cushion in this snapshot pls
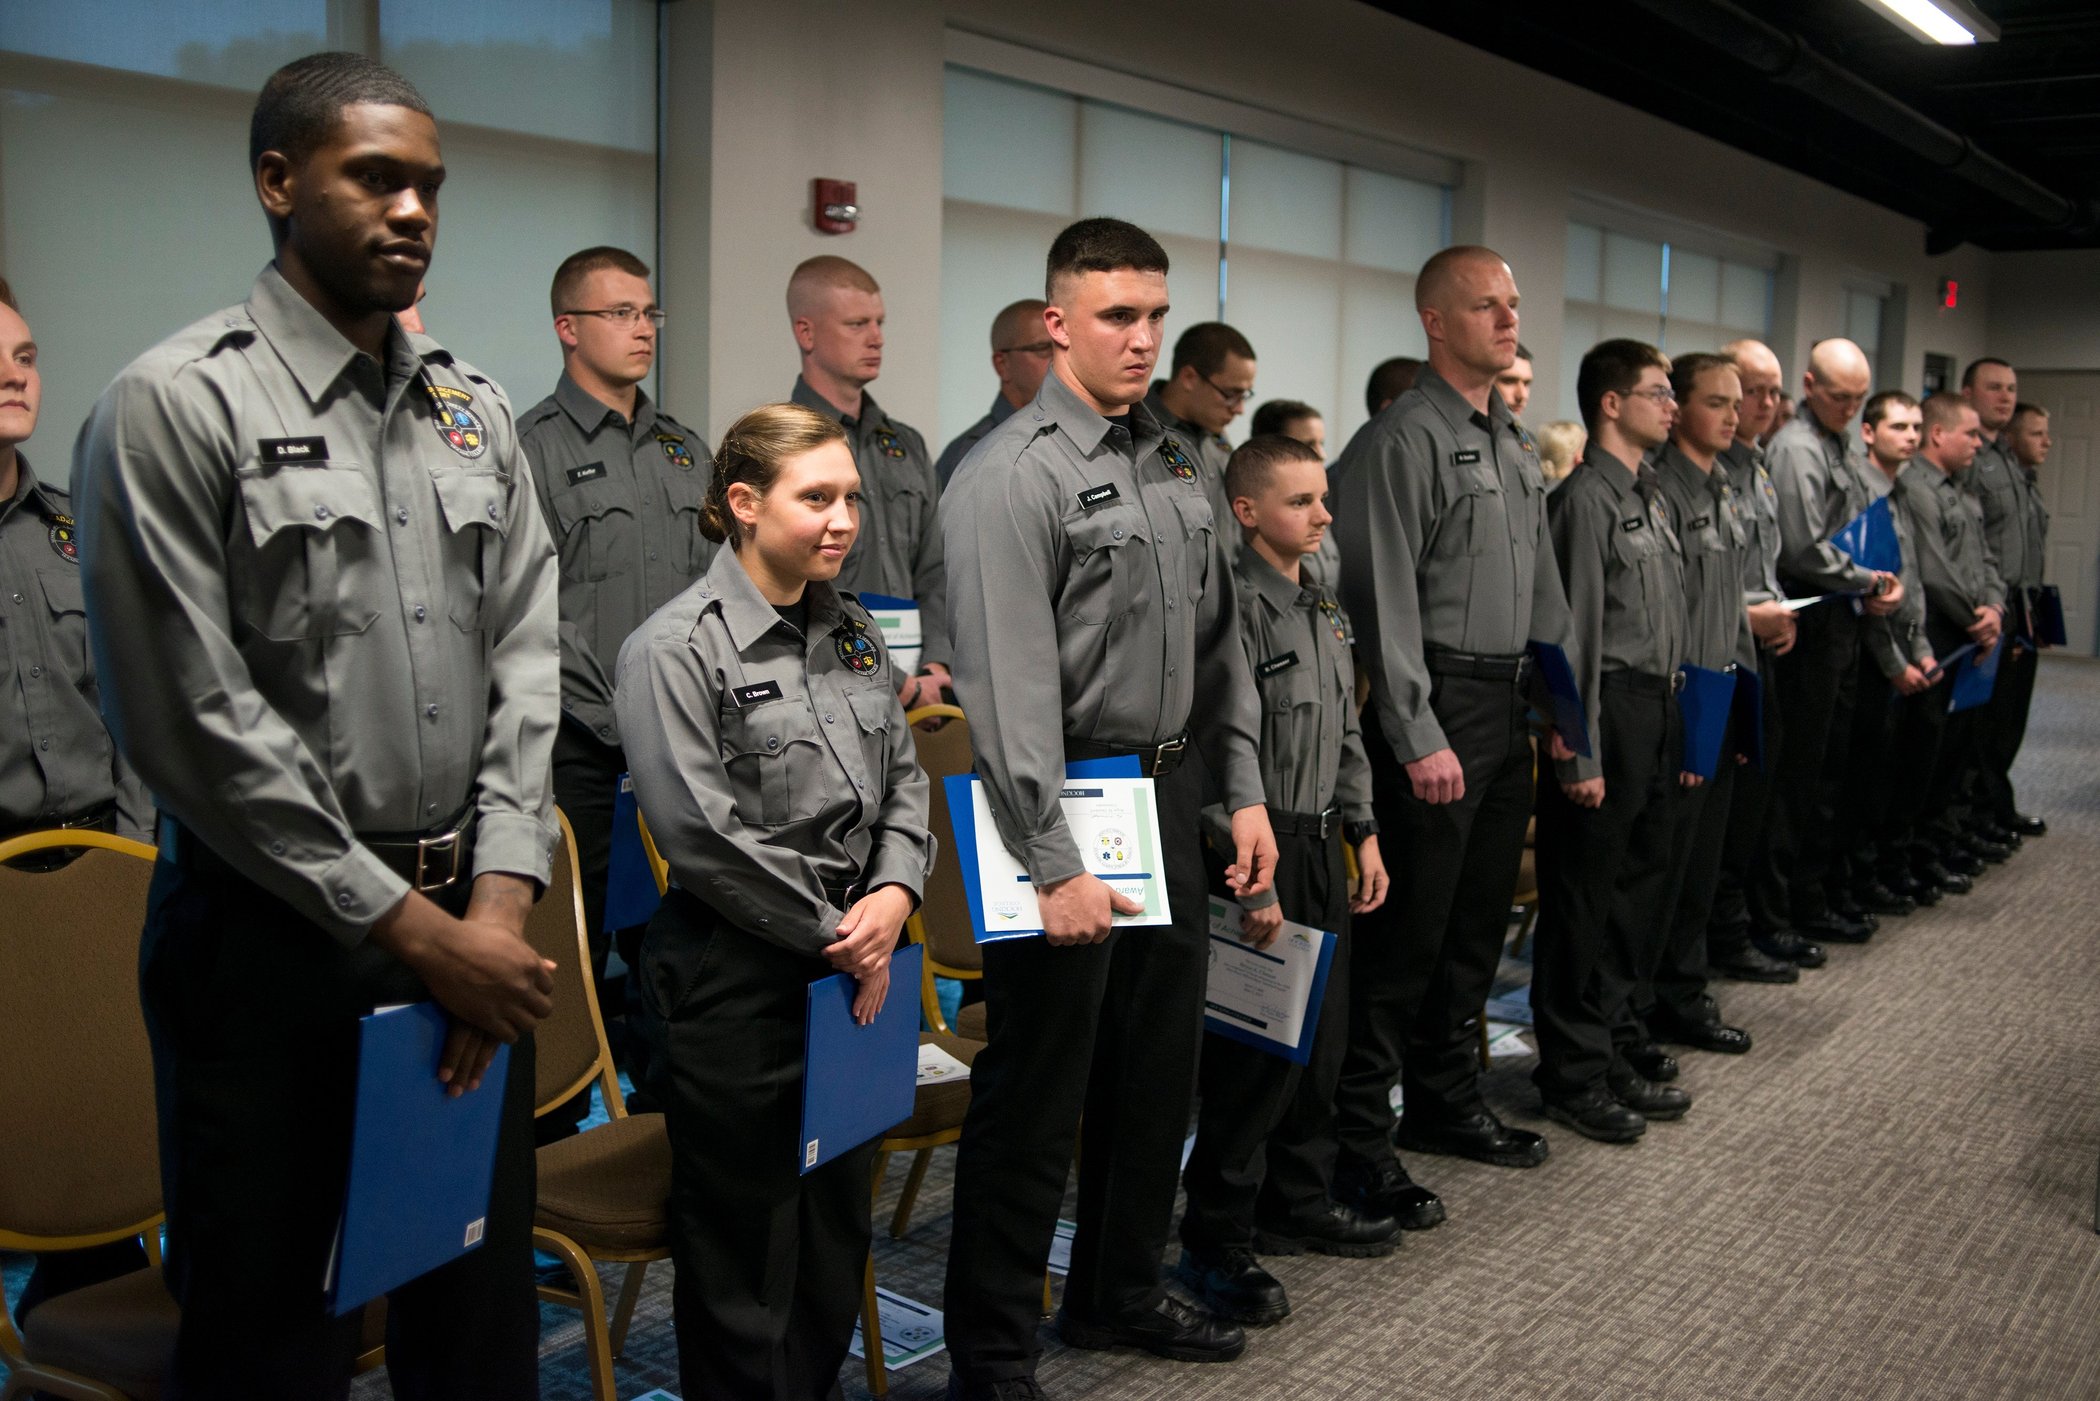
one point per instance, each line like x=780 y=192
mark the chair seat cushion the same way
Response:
x=609 y=1187
x=940 y=1108
x=120 y=1332
x=970 y=1022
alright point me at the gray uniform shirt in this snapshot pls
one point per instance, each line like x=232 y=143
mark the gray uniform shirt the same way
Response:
x=955 y=452
x=623 y=502
x=1211 y=453
x=1821 y=481
x=1946 y=522
x=1442 y=530
x=2015 y=524
x=56 y=760
x=1714 y=539
x=774 y=767
x=1092 y=601
x=1759 y=501
x=1624 y=572
x=1897 y=639
x=321 y=600
x=898 y=550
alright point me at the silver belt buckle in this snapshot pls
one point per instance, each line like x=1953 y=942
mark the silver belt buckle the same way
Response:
x=1327 y=819
x=1676 y=682
x=446 y=848
x=1160 y=753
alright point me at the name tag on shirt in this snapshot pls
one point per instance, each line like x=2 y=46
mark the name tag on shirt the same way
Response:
x=1633 y=523
x=752 y=695
x=1274 y=665
x=588 y=472
x=1701 y=522
x=278 y=451
x=1099 y=495
x=1465 y=458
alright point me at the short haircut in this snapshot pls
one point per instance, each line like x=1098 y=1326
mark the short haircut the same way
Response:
x=300 y=102
x=1101 y=245
x=1613 y=367
x=1389 y=381
x=1524 y=352
x=1560 y=443
x=1279 y=414
x=569 y=277
x=1207 y=345
x=824 y=273
x=752 y=452
x=1436 y=276
x=1879 y=407
x=1968 y=376
x=1686 y=369
x=7 y=297
x=1016 y=319
x=1944 y=410
x=2020 y=410
x=1253 y=463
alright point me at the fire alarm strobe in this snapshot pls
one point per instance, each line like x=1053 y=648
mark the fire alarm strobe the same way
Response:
x=834 y=210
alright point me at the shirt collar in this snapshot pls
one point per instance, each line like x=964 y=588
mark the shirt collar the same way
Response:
x=747 y=613
x=1086 y=428
x=30 y=491
x=1672 y=461
x=1453 y=406
x=1279 y=593
x=591 y=413
x=1001 y=410
x=314 y=351
x=870 y=416
x=1621 y=475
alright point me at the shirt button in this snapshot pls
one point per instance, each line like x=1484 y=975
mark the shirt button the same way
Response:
x=1160 y=537
x=492 y=510
x=605 y=729
x=772 y=741
x=652 y=554
x=320 y=513
x=43 y=744
x=421 y=613
x=1117 y=533
x=431 y=807
x=277 y=848
x=1170 y=605
x=568 y=705
x=431 y=710
x=18 y=598
x=401 y=515
x=36 y=671
x=827 y=719
x=342 y=901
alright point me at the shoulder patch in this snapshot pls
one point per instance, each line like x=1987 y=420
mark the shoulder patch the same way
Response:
x=855 y=648
x=64 y=541
x=675 y=449
x=457 y=420
x=889 y=443
x=1178 y=461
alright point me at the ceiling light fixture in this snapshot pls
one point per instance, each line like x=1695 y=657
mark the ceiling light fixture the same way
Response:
x=1940 y=21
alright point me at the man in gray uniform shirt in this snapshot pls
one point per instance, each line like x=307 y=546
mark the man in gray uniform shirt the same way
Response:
x=620 y=484
x=1448 y=575
x=323 y=607
x=836 y=311
x=1209 y=383
x=1020 y=357
x=1093 y=607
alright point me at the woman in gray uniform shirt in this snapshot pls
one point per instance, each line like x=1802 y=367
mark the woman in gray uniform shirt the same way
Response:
x=778 y=776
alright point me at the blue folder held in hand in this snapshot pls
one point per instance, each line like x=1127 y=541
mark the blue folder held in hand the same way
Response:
x=858 y=1080
x=1870 y=538
x=421 y=1161
x=1566 y=697
x=1707 y=700
x=1749 y=714
x=630 y=886
x=1974 y=681
x=2047 y=610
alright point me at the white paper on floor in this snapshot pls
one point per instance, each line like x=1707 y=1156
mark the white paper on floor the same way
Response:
x=657 y=1395
x=1506 y=1042
x=936 y=1065
x=910 y=1330
x=1061 y=1248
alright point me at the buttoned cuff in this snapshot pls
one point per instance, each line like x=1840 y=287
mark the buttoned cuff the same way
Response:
x=1579 y=769
x=896 y=868
x=1353 y=813
x=1261 y=901
x=591 y=716
x=514 y=844
x=1419 y=738
x=356 y=891
x=1241 y=784
x=934 y=649
x=1051 y=856
x=1995 y=600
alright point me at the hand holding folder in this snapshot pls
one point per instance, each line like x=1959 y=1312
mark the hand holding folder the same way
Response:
x=1565 y=697
x=1870 y=538
x=1707 y=701
x=858 y=1080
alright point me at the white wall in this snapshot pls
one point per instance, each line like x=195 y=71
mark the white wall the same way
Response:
x=2045 y=310
x=802 y=88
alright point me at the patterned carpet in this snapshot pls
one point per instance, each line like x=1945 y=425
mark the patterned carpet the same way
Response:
x=1891 y=1197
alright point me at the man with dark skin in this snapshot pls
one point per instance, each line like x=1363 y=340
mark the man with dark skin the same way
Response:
x=331 y=655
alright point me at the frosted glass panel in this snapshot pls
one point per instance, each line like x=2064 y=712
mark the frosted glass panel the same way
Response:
x=581 y=70
x=1378 y=322
x=1391 y=223
x=1291 y=310
x=235 y=42
x=1578 y=332
x=1009 y=145
x=1192 y=286
x=1695 y=286
x=1285 y=202
x=1585 y=264
x=1746 y=298
x=1160 y=175
x=1614 y=324
x=989 y=257
x=1863 y=320
x=1632 y=274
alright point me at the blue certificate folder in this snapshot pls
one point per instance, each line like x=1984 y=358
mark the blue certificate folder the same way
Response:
x=421 y=1161
x=1568 y=716
x=1870 y=538
x=2046 y=611
x=858 y=1080
x=630 y=886
x=1973 y=680
x=1707 y=700
x=962 y=808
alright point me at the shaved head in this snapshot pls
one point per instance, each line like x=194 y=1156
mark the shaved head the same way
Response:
x=1762 y=379
x=1444 y=277
x=1838 y=361
x=816 y=278
x=1020 y=323
x=1751 y=356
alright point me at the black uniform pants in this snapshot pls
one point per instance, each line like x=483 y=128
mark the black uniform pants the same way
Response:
x=586 y=785
x=1423 y=964
x=1920 y=725
x=252 y=1013
x=1749 y=895
x=1107 y=1030
x=1680 y=976
x=1604 y=873
x=1871 y=774
x=2003 y=729
x=1813 y=685
x=769 y=1262
x=1264 y=1129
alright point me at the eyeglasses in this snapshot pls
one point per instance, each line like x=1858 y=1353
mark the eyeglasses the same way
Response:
x=622 y=316
x=1659 y=393
x=1233 y=397
x=1032 y=348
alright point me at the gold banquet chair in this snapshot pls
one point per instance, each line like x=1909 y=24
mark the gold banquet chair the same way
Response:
x=942 y=922
x=604 y=1194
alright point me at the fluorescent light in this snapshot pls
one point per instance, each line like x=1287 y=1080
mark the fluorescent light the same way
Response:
x=1941 y=21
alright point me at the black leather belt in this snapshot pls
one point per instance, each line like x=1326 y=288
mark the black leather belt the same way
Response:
x=98 y=819
x=1643 y=683
x=1480 y=666
x=1156 y=760
x=431 y=860
x=1305 y=824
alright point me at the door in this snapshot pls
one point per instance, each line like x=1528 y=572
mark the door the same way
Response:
x=2070 y=482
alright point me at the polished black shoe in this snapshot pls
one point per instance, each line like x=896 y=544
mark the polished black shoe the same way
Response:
x=2020 y=824
x=1990 y=852
x=1992 y=830
x=1650 y=1101
x=1833 y=928
x=1751 y=964
x=1845 y=905
x=1176 y=1330
x=1880 y=900
x=1960 y=860
x=1598 y=1114
x=1925 y=893
x=1949 y=882
x=1233 y=1285
x=1655 y=1065
x=1004 y=1389
x=1338 y=1230
x=1481 y=1137
x=1706 y=1032
x=1381 y=1190
x=1791 y=946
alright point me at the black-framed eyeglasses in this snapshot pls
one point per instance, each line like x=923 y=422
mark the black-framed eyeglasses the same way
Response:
x=1659 y=393
x=1233 y=397
x=1032 y=348
x=622 y=316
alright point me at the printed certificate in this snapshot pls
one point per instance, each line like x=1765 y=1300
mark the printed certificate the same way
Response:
x=898 y=618
x=1269 y=998
x=1114 y=820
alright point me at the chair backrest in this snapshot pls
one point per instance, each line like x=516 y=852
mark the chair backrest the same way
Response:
x=944 y=913
x=658 y=867
x=569 y=1047
x=82 y=1163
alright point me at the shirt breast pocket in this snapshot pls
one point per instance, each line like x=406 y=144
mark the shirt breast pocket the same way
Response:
x=594 y=530
x=774 y=758
x=1199 y=526
x=477 y=519
x=682 y=496
x=318 y=570
x=875 y=710
x=1633 y=548
x=68 y=613
x=1478 y=518
x=1103 y=584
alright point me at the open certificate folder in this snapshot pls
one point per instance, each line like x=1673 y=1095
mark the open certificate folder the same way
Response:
x=898 y=618
x=1268 y=998
x=1113 y=818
